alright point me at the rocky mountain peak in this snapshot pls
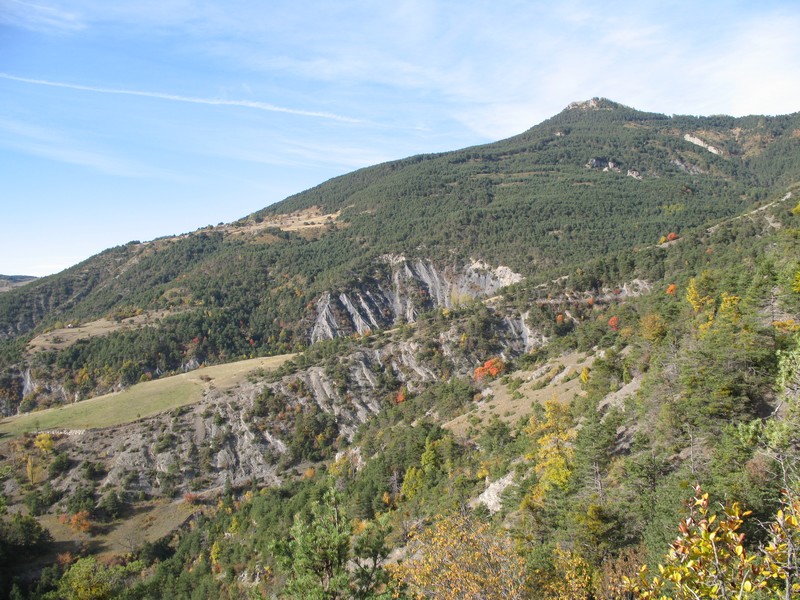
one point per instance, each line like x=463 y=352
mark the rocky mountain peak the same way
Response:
x=595 y=103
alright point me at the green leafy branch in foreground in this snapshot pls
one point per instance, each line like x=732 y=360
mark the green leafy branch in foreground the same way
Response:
x=709 y=559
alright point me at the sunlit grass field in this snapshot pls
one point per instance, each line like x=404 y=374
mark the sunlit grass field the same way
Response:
x=141 y=400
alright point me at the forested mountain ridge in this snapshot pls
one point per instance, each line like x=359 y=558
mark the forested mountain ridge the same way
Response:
x=526 y=356
x=594 y=181
x=597 y=175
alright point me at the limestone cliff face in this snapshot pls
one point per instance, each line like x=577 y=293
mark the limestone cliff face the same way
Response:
x=411 y=287
x=403 y=289
x=225 y=437
x=202 y=447
x=198 y=448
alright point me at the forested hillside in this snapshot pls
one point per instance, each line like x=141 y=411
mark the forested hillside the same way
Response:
x=638 y=373
x=9 y=282
x=596 y=180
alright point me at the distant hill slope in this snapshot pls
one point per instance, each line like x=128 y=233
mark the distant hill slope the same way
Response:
x=582 y=190
x=9 y=282
x=593 y=179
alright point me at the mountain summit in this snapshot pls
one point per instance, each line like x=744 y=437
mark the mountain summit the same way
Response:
x=597 y=180
x=505 y=365
x=594 y=104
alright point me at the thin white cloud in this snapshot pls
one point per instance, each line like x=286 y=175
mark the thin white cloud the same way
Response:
x=83 y=158
x=177 y=98
x=661 y=62
x=295 y=152
x=39 y=17
x=758 y=68
x=336 y=154
x=53 y=145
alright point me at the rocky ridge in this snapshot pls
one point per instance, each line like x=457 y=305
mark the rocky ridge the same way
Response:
x=410 y=288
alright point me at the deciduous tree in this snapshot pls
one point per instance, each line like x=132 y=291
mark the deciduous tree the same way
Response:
x=460 y=557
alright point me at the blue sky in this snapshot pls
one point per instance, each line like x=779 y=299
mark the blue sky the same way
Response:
x=133 y=120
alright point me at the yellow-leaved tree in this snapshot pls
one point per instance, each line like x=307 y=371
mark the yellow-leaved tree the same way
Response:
x=44 y=442
x=699 y=300
x=571 y=578
x=554 y=435
x=460 y=557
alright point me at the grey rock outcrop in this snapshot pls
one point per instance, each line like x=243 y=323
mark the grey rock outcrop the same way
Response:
x=227 y=437
x=410 y=288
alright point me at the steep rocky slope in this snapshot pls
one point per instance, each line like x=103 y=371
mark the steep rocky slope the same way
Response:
x=247 y=434
x=408 y=289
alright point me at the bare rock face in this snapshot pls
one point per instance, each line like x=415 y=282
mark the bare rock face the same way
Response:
x=603 y=164
x=698 y=142
x=246 y=434
x=592 y=104
x=198 y=448
x=491 y=497
x=410 y=288
x=687 y=167
x=522 y=338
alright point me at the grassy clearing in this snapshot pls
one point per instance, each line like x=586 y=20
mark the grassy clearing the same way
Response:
x=561 y=383
x=308 y=222
x=309 y=218
x=148 y=522
x=139 y=401
x=64 y=337
x=9 y=282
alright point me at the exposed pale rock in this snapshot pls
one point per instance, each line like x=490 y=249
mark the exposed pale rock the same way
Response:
x=411 y=287
x=492 y=495
x=698 y=142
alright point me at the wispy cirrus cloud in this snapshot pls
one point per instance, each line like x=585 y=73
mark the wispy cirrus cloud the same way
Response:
x=38 y=17
x=757 y=66
x=297 y=155
x=263 y=106
x=54 y=145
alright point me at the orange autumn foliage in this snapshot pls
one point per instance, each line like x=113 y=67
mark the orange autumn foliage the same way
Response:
x=491 y=368
x=65 y=559
x=80 y=522
x=613 y=322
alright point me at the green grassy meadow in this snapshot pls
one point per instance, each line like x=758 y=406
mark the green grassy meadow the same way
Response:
x=139 y=401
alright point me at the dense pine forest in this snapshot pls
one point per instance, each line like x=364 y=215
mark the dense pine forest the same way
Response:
x=620 y=420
